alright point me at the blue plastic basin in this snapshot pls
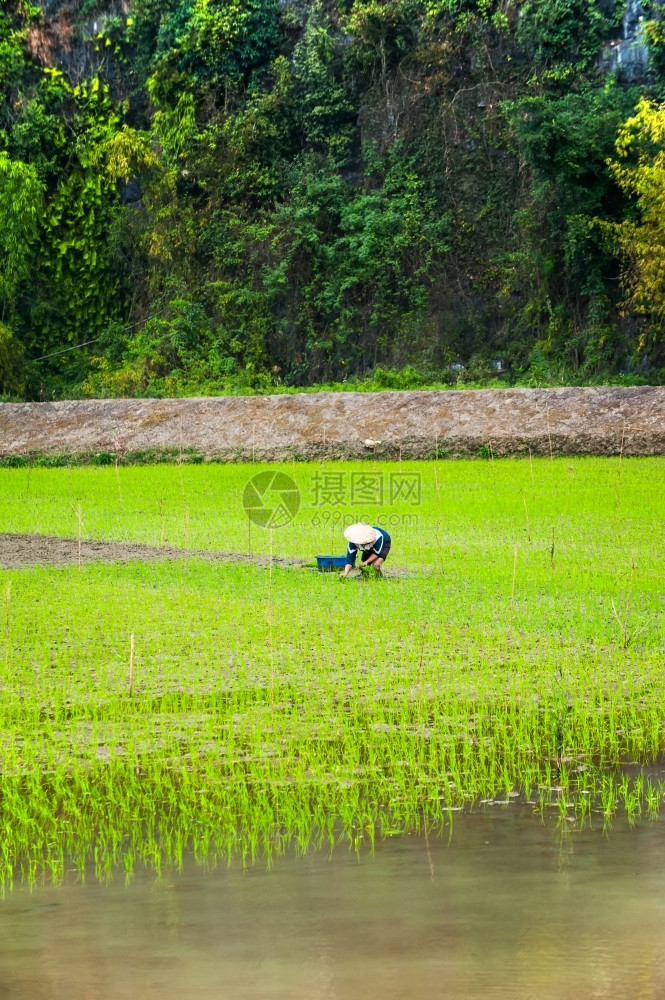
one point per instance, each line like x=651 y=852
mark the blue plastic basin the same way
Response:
x=328 y=563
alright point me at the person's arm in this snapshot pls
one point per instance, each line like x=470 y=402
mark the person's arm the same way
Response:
x=351 y=553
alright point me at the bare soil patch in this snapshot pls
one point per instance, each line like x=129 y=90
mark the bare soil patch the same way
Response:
x=18 y=550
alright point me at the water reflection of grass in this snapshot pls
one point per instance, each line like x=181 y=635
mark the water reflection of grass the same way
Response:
x=241 y=707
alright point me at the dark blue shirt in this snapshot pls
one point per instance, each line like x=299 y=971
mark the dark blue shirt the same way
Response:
x=379 y=547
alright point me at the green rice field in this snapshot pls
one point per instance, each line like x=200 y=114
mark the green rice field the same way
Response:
x=513 y=651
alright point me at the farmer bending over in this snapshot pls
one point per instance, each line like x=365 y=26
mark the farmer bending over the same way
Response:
x=373 y=542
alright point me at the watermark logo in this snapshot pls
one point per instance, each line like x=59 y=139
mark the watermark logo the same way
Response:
x=271 y=499
x=336 y=519
x=364 y=491
x=334 y=489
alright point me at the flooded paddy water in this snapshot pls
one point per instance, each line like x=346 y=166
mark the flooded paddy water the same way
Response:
x=510 y=906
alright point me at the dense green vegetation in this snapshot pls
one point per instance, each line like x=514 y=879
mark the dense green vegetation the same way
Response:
x=514 y=649
x=241 y=195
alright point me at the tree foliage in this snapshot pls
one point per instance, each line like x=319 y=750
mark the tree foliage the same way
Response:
x=640 y=171
x=214 y=194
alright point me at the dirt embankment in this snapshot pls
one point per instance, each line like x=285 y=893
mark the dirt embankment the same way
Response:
x=593 y=421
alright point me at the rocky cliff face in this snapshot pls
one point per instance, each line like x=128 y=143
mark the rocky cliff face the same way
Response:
x=60 y=38
x=64 y=36
x=628 y=55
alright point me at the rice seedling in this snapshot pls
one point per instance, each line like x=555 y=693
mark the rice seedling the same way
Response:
x=239 y=707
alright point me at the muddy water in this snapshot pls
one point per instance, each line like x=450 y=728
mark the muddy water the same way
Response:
x=510 y=908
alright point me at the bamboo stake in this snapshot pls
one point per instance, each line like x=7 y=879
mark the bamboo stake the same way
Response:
x=79 y=517
x=528 y=523
x=131 y=662
x=270 y=624
x=512 y=591
x=8 y=603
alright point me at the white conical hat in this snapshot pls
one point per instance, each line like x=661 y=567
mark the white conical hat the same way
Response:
x=360 y=534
